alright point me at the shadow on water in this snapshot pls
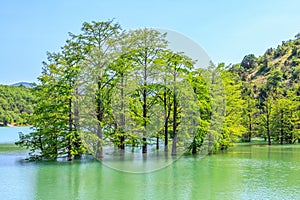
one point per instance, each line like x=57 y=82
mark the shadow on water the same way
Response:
x=136 y=162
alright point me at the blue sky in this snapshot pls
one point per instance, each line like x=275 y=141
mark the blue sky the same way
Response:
x=226 y=29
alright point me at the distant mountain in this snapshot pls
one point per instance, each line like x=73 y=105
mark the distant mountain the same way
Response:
x=25 y=84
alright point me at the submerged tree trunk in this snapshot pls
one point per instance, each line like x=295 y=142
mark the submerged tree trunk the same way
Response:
x=99 y=148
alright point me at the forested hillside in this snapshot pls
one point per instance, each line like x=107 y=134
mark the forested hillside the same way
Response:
x=16 y=103
x=271 y=91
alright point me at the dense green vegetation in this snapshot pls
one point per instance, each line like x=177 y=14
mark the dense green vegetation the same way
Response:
x=16 y=104
x=271 y=90
x=109 y=87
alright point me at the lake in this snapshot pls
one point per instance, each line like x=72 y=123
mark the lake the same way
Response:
x=244 y=172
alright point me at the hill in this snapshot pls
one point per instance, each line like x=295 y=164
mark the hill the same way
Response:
x=16 y=104
x=25 y=84
x=270 y=86
x=283 y=61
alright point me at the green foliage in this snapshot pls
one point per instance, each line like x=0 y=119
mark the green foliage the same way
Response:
x=128 y=89
x=250 y=112
x=271 y=94
x=54 y=126
x=274 y=80
x=249 y=62
x=201 y=90
x=232 y=127
x=16 y=105
x=285 y=121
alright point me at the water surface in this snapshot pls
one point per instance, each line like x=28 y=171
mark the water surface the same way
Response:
x=245 y=172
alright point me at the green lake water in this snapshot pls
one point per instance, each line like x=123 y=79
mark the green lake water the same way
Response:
x=244 y=172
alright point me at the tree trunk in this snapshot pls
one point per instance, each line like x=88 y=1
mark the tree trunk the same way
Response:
x=144 y=93
x=76 y=111
x=166 y=122
x=70 y=145
x=122 y=125
x=78 y=141
x=144 y=148
x=122 y=140
x=268 y=127
x=166 y=137
x=174 y=148
x=54 y=153
x=41 y=143
x=250 y=128
x=99 y=115
x=99 y=149
x=194 y=148
x=281 y=127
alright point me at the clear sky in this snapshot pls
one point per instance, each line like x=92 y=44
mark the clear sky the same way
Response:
x=226 y=29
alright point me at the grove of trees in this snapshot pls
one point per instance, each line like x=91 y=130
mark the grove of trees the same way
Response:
x=127 y=90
